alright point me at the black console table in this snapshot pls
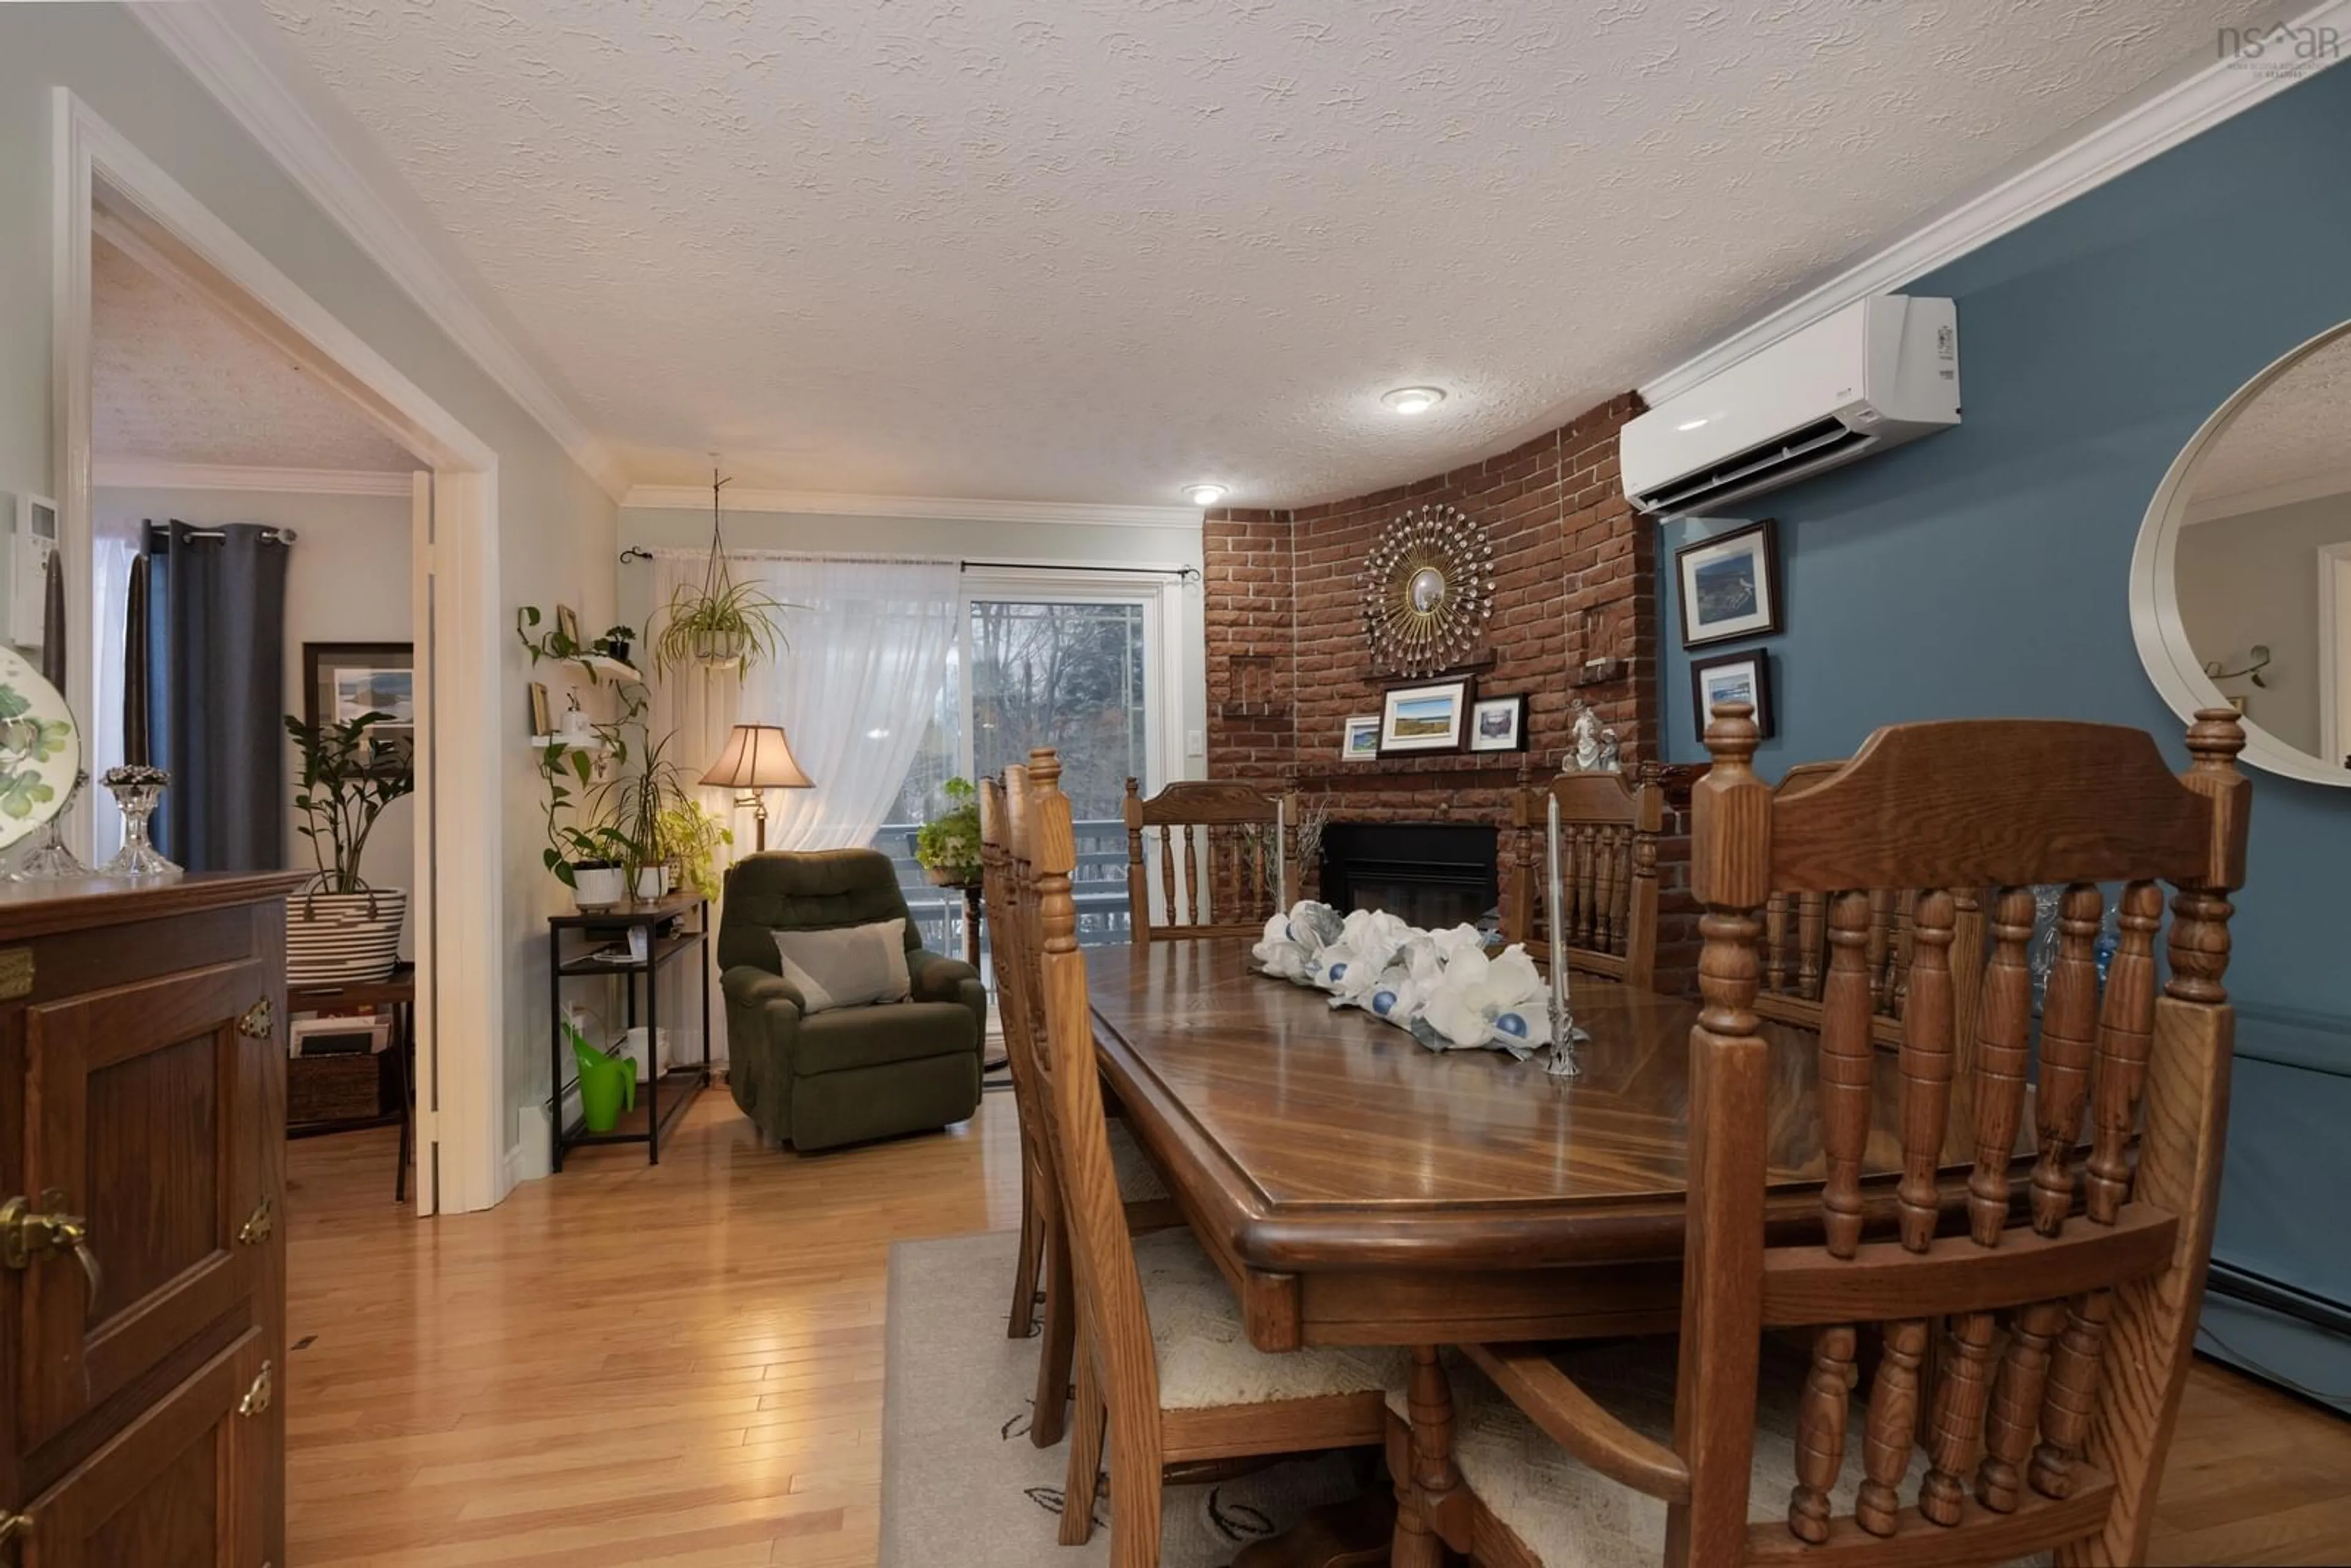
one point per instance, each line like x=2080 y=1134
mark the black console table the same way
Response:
x=661 y=1097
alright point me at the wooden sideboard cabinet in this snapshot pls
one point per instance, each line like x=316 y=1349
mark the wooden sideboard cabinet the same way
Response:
x=143 y=1279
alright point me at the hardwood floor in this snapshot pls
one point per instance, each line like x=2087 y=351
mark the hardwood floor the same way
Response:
x=682 y=1364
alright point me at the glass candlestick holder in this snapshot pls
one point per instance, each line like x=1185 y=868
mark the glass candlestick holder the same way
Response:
x=138 y=789
x=52 y=861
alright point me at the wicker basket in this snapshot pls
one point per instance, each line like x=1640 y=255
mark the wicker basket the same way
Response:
x=343 y=939
x=333 y=1088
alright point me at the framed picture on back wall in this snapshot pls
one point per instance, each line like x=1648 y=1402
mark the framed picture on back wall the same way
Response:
x=1729 y=585
x=344 y=680
x=1743 y=677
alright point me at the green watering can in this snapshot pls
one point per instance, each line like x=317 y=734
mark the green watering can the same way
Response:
x=607 y=1084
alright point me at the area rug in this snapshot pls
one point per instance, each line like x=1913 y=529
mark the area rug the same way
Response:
x=962 y=1487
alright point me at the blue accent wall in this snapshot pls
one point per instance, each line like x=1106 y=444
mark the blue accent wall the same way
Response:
x=1985 y=571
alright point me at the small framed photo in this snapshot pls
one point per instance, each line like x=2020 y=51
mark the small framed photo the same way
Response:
x=1360 y=741
x=344 y=680
x=1499 y=724
x=566 y=622
x=1431 y=717
x=1729 y=585
x=542 y=712
x=1733 y=678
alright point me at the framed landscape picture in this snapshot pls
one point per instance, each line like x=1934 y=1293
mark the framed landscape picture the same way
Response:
x=344 y=680
x=1733 y=678
x=1729 y=586
x=1360 y=740
x=1499 y=724
x=1429 y=718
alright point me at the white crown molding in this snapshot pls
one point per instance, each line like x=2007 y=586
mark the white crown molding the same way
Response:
x=1066 y=514
x=208 y=44
x=141 y=473
x=2156 y=123
x=2262 y=498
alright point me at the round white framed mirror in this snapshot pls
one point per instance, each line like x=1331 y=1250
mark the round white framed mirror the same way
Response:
x=2240 y=580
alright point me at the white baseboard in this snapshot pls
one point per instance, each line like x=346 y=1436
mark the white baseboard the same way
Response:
x=533 y=1154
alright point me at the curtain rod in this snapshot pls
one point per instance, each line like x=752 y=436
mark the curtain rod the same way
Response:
x=1184 y=573
x=269 y=536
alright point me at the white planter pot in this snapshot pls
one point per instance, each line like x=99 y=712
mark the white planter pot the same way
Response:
x=343 y=939
x=653 y=881
x=598 y=887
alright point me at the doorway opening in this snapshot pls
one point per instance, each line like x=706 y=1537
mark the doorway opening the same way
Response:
x=113 y=205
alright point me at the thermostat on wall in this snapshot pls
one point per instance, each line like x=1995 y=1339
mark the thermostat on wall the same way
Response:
x=28 y=564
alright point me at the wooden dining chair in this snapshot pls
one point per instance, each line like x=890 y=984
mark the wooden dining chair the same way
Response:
x=1796 y=954
x=1165 y=1370
x=1220 y=851
x=2070 y=1314
x=1608 y=872
x=1041 y=1269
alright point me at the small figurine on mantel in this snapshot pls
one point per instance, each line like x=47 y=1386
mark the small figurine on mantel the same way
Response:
x=1596 y=750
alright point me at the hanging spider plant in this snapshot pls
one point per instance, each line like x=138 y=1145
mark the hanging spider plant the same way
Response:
x=723 y=623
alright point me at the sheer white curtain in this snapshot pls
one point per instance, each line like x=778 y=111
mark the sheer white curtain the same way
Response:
x=869 y=650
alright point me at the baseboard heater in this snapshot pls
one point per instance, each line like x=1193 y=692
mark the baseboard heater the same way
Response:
x=2241 y=1284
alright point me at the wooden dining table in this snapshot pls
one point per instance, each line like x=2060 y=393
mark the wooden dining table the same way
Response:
x=1356 y=1188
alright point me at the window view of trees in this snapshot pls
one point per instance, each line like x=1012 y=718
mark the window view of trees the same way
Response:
x=1032 y=674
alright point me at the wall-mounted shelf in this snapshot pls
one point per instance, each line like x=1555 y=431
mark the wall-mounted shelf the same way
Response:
x=541 y=742
x=597 y=665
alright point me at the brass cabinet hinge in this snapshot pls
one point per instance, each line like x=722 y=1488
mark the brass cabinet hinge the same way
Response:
x=259 y=1224
x=256 y=1399
x=259 y=1021
x=16 y=980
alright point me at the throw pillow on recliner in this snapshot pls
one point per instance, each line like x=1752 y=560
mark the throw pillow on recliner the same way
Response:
x=853 y=967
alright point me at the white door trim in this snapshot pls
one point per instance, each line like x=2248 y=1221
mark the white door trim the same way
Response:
x=460 y=1090
x=2334 y=652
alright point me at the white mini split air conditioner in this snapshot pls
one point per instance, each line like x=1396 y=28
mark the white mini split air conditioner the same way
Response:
x=1877 y=373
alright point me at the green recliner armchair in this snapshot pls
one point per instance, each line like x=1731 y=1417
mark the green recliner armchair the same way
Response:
x=849 y=1074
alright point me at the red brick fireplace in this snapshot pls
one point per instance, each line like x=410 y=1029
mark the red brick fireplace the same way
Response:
x=1575 y=580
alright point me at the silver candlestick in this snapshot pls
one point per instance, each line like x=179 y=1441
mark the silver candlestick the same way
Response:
x=1562 y=1062
x=137 y=790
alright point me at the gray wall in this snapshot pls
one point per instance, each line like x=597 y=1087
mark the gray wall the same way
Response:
x=1985 y=571
x=556 y=528
x=2253 y=579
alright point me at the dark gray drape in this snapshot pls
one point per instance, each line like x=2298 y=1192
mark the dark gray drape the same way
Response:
x=216 y=699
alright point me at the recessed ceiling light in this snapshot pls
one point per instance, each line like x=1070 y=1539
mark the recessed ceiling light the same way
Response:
x=1414 y=399
x=1205 y=494
x=877 y=734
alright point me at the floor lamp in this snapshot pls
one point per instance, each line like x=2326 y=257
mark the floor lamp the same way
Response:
x=756 y=760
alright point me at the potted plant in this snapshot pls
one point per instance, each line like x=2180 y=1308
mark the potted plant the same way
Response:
x=615 y=643
x=635 y=800
x=721 y=623
x=691 y=838
x=585 y=856
x=340 y=930
x=947 y=846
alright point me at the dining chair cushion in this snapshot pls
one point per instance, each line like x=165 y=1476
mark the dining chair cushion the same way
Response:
x=1138 y=1178
x=1204 y=1354
x=847 y=967
x=1570 y=1515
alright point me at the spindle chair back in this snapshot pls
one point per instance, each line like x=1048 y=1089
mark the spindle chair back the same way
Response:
x=1608 y=828
x=1219 y=850
x=2069 y=1316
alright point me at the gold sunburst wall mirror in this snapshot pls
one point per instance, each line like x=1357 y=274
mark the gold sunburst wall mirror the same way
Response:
x=1428 y=589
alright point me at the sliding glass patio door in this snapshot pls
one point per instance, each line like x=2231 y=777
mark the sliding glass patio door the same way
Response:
x=1077 y=662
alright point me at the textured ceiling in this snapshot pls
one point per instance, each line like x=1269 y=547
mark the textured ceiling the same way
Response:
x=172 y=381
x=1092 y=250
x=2296 y=431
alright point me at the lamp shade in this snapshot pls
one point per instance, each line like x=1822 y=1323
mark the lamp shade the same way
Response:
x=757 y=757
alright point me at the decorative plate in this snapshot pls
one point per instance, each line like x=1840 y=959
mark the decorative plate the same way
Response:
x=40 y=749
x=1428 y=588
